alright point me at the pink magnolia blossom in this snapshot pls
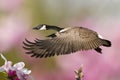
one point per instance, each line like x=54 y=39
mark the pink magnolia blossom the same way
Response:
x=15 y=72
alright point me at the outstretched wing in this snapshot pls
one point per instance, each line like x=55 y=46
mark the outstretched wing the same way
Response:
x=66 y=42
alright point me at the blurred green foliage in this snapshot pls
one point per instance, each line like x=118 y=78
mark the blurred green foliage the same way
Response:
x=3 y=76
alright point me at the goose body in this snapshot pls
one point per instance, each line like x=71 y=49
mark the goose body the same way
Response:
x=65 y=41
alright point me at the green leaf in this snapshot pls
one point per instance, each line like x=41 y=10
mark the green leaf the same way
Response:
x=3 y=76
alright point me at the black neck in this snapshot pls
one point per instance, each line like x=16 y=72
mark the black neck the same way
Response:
x=54 y=28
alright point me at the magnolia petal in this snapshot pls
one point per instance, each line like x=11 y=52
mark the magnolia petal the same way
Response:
x=7 y=66
x=19 y=65
x=20 y=75
x=26 y=71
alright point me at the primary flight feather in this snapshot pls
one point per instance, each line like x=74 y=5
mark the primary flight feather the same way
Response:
x=65 y=41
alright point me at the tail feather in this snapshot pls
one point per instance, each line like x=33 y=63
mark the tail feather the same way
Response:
x=106 y=43
x=99 y=50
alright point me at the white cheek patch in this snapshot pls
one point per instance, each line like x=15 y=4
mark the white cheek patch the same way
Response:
x=100 y=36
x=43 y=27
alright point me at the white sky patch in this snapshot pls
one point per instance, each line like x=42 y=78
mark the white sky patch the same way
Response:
x=43 y=27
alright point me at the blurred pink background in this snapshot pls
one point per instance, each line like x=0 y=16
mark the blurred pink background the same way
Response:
x=18 y=17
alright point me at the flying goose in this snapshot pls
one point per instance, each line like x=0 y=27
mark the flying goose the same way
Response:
x=65 y=41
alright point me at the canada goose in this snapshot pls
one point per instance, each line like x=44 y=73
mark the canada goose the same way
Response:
x=65 y=41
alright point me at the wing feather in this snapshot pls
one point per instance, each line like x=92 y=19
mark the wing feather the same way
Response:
x=65 y=42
